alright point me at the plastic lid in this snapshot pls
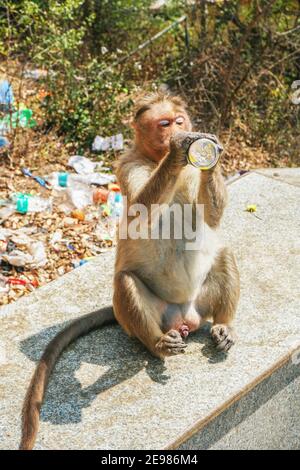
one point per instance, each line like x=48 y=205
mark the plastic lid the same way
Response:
x=118 y=197
x=63 y=179
x=22 y=204
x=114 y=187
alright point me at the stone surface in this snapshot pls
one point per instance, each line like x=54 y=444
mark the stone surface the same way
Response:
x=107 y=392
x=288 y=175
x=273 y=426
x=267 y=417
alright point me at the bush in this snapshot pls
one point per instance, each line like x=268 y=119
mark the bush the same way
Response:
x=237 y=73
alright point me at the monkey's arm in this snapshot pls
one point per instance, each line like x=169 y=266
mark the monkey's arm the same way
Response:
x=213 y=194
x=160 y=186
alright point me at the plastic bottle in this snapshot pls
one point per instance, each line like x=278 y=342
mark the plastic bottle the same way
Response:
x=204 y=153
x=59 y=179
x=70 y=194
x=114 y=209
x=115 y=204
x=24 y=203
x=71 y=180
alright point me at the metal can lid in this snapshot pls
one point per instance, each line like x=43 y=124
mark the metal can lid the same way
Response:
x=203 y=153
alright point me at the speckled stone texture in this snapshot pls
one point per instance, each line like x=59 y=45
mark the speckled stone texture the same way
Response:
x=267 y=417
x=274 y=425
x=288 y=175
x=107 y=392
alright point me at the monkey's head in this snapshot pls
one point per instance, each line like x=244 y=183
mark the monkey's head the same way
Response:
x=158 y=116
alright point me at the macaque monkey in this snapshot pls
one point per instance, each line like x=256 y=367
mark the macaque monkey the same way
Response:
x=162 y=291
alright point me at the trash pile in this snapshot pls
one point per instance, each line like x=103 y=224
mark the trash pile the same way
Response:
x=43 y=236
x=51 y=222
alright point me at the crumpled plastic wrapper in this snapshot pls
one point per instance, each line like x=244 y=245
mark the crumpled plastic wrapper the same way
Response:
x=102 y=144
x=88 y=169
x=32 y=255
x=69 y=199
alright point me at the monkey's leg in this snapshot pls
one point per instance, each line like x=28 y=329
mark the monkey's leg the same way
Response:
x=139 y=311
x=219 y=297
x=213 y=194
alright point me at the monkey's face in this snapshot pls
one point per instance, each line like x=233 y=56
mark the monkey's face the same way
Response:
x=157 y=125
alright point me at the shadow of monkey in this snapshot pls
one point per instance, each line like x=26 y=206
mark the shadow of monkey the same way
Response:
x=110 y=347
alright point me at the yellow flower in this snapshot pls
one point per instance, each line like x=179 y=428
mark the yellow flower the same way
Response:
x=251 y=208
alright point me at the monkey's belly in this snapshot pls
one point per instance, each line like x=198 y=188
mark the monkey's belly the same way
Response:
x=166 y=267
x=177 y=275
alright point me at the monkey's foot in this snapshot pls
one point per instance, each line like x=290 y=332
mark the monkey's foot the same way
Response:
x=223 y=337
x=170 y=343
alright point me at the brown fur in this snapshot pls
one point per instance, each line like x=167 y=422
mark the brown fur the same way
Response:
x=158 y=286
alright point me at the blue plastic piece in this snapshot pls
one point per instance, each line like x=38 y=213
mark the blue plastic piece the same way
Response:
x=6 y=95
x=38 y=179
x=3 y=141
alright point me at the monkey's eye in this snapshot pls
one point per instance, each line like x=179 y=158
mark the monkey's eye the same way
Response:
x=164 y=123
x=179 y=120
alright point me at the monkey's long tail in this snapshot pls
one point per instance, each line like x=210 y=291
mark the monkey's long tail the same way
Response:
x=36 y=390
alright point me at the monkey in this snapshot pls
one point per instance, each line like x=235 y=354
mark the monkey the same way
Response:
x=162 y=292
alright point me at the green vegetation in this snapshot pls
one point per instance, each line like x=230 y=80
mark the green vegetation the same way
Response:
x=235 y=68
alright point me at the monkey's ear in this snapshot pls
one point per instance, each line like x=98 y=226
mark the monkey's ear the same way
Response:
x=133 y=124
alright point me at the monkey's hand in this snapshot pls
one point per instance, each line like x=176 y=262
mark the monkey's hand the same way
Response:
x=170 y=343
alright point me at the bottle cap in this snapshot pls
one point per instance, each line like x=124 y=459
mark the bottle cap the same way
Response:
x=114 y=187
x=118 y=197
x=63 y=179
x=22 y=203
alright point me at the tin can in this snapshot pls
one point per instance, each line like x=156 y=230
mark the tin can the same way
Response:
x=203 y=153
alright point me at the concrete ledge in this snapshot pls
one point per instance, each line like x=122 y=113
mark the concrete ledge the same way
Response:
x=107 y=392
x=262 y=416
x=288 y=175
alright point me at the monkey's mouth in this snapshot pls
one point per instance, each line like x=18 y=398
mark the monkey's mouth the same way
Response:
x=165 y=144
